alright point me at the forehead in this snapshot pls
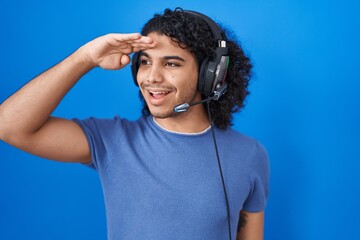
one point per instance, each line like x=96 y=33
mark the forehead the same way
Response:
x=166 y=47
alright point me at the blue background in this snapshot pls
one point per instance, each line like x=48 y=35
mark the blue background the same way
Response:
x=304 y=108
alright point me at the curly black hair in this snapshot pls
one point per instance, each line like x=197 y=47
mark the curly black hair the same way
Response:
x=193 y=34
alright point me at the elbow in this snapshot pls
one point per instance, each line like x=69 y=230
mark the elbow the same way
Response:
x=2 y=129
x=11 y=136
x=7 y=131
x=4 y=135
x=12 y=132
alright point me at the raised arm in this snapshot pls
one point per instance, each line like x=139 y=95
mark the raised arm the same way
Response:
x=25 y=120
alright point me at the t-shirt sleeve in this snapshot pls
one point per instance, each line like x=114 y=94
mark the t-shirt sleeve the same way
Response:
x=258 y=196
x=100 y=137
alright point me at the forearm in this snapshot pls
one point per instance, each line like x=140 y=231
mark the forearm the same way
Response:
x=29 y=108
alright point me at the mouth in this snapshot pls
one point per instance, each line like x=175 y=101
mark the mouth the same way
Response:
x=158 y=94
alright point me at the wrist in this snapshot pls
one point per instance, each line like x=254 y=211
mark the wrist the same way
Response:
x=81 y=58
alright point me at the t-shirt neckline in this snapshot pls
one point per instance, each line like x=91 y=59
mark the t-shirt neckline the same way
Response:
x=179 y=133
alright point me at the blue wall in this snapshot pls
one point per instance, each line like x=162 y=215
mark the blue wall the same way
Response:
x=304 y=107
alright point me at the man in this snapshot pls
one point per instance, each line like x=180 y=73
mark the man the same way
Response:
x=163 y=176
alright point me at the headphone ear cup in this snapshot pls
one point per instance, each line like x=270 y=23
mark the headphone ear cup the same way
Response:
x=222 y=70
x=202 y=76
x=215 y=72
x=135 y=63
x=210 y=74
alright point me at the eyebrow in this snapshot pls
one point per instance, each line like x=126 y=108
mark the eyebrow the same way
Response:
x=165 y=57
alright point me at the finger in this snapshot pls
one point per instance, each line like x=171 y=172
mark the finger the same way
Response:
x=137 y=49
x=125 y=59
x=143 y=41
x=138 y=45
x=127 y=37
x=144 y=45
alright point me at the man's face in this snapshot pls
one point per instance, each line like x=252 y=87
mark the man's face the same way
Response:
x=167 y=76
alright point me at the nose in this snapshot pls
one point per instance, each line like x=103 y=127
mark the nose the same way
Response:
x=154 y=74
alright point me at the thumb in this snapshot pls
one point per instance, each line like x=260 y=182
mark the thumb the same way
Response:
x=125 y=59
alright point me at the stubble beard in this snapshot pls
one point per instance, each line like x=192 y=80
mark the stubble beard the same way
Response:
x=163 y=115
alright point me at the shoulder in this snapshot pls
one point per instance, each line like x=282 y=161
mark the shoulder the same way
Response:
x=234 y=137
x=251 y=151
x=104 y=135
x=110 y=127
x=108 y=123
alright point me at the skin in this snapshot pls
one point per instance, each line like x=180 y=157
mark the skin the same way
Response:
x=253 y=228
x=167 y=77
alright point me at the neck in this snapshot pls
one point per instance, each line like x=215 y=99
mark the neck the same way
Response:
x=192 y=121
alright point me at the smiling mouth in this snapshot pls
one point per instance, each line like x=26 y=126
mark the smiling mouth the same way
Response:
x=158 y=94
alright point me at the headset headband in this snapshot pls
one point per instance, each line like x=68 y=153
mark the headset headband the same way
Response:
x=215 y=30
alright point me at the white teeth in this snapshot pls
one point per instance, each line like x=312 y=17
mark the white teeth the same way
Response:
x=157 y=93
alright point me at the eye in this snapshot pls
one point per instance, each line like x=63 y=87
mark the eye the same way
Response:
x=172 y=64
x=144 y=62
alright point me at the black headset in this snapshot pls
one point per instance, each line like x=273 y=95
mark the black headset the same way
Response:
x=212 y=72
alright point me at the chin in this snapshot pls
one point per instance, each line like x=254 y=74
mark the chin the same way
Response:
x=162 y=113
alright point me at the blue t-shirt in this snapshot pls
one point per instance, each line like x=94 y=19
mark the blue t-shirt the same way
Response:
x=164 y=185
